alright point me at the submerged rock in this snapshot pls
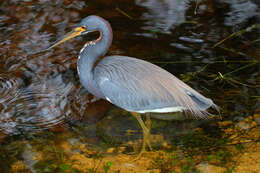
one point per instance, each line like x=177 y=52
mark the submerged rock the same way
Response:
x=208 y=168
x=243 y=125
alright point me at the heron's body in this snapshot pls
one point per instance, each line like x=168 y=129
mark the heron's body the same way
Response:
x=139 y=86
x=132 y=84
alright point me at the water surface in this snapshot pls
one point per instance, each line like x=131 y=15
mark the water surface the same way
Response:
x=43 y=102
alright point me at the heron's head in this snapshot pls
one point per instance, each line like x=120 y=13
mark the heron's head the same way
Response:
x=88 y=24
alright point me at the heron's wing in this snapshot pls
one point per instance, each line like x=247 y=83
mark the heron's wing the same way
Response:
x=140 y=86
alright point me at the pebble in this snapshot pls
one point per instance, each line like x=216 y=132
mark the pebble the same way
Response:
x=206 y=168
x=238 y=118
x=165 y=145
x=121 y=149
x=225 y=123
x=257 y=118
x=110 y=150
x=243 y=125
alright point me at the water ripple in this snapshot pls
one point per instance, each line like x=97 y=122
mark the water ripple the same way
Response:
x=36 y=107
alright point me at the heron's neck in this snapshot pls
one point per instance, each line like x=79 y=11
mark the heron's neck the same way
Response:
x=90 y=54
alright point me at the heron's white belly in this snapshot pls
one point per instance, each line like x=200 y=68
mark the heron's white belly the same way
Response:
x=164 y=110
x=160 y=110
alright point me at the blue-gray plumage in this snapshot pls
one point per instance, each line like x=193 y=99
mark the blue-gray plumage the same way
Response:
x=132 y=84
x=140 y=86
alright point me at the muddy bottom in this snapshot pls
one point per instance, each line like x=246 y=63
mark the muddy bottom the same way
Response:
x=237 y=150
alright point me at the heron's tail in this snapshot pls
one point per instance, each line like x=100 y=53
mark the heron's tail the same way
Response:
x=203 y=103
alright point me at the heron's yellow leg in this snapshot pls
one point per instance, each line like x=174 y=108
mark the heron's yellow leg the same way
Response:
x=148 y=124
x=146 y=133
x=148 y=121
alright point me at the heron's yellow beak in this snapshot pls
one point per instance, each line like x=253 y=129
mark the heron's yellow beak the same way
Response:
x=76 y=32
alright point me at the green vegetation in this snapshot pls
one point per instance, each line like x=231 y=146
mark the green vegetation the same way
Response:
x=107 y=166
x=223 y=155
x=239 y=147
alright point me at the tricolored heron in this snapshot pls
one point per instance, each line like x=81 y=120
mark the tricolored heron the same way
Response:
x=129 y=83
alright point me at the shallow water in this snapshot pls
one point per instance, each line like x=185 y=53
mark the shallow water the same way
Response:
x=43 y=102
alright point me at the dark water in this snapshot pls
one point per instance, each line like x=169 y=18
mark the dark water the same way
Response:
x=41 y=92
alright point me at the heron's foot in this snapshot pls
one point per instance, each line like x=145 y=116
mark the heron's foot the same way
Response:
x=146 y=142
x=146 y=133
